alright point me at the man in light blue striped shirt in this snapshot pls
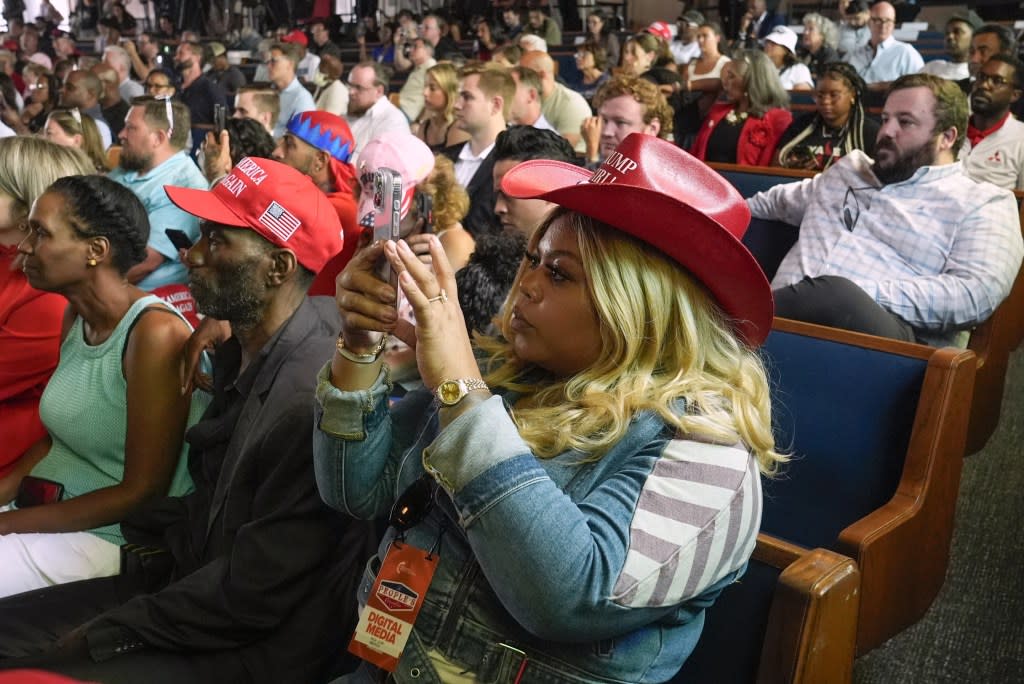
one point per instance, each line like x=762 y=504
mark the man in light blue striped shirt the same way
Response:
x=905 y=246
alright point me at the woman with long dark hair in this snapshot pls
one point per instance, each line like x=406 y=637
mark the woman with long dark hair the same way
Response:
x=599 y=32
x=837 y=126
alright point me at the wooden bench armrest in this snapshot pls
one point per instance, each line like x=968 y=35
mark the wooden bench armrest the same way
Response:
x=812 y=624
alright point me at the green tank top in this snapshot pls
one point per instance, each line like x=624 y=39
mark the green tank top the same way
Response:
x=85 y=410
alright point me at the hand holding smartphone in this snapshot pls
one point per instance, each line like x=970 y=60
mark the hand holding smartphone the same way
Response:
x=219 y=118
x=387 y=212
x=425 y=211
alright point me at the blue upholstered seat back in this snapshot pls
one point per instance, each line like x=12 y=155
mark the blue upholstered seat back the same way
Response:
x=769 y=241
x=845 y=414
x=749 y=183
x=729 y=649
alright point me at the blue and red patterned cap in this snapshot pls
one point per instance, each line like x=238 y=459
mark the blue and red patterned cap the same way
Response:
x=324 y=131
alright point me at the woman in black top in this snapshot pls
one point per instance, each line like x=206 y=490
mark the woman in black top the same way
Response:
x=818 y=42
x=814 y=141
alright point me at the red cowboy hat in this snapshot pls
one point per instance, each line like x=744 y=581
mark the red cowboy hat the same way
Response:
x=657 y=193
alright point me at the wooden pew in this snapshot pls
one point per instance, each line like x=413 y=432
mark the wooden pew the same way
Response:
x=791 y=618
x=992 y=341
x=750 y=180
x=876 y=429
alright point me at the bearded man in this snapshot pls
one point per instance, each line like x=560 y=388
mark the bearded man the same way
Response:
x=251 y=577
x=153 y=155
x=906 y=246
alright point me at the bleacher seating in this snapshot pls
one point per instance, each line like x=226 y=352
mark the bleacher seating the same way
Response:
x=876 y=429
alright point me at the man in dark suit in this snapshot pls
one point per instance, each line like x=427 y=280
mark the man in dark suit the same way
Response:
x=757 y=23
x=250 y=577
x=482 y=110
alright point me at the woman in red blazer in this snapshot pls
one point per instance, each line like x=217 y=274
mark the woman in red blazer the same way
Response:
x=745 y=128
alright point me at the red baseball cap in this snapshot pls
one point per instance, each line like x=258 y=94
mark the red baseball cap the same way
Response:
x=657 y=193
x=295 y=36
x=273 y=199
x=661 y=29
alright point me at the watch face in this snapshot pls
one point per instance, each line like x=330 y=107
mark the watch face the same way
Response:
x=449 y=392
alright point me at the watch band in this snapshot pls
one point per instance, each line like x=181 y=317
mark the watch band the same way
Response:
x=450 y=392
x=361 y=358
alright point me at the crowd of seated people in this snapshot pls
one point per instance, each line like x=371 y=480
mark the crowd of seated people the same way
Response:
x=167 y=470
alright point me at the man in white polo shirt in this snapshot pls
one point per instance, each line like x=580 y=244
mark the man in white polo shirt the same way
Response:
x=370 y=113
x=994 y=149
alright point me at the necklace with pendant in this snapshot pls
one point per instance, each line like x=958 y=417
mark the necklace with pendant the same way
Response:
x=732 y=118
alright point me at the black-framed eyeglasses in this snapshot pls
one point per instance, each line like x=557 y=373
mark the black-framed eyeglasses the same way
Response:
x=995 y=81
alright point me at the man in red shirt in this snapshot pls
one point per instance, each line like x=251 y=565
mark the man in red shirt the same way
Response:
x=320 y=144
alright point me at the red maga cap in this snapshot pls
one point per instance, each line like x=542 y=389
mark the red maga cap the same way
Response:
x=657 y=193
x=661 y=29
x=273 y=199
x=295 y=36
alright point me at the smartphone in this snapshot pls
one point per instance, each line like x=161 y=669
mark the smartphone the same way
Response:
x=178 y=238
x=425 y=210
x=37 y=491
x=387 y=212
x=219 y=116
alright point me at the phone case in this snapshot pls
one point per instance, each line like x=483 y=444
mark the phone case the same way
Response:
x=387 y=204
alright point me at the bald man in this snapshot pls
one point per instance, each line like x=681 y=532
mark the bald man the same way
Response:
x=565 y=109
x=884 y=59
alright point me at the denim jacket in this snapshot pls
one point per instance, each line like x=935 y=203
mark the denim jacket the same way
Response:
x=593 y=571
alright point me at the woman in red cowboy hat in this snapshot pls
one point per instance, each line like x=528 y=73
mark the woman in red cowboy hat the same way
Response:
x=585 y=491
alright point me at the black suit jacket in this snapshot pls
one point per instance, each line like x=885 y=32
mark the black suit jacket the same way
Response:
x=264 y=568
x=481 y=217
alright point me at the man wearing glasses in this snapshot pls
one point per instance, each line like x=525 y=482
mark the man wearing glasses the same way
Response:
x=906 y=246
x=369 y=112
x=884 y=59
x=994 y=149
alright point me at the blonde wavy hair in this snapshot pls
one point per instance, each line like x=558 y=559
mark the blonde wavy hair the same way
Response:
x=29 y=165
x=663 y=339
x=447 y=78
x=451 y=202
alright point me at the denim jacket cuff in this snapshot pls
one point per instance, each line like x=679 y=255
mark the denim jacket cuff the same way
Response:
x=472 y=444
x=345 y=413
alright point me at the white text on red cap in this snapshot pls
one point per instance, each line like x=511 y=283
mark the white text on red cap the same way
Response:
x=617 y=161
x=247 y=167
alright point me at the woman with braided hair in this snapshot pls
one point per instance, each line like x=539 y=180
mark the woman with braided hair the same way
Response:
x=114 y=411
x=837 y=126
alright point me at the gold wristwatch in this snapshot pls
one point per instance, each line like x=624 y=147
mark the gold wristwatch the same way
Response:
x=451 y=392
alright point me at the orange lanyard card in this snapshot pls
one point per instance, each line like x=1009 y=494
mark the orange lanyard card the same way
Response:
x=397 y=596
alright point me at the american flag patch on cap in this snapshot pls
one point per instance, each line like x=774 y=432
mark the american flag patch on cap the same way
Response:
x=279 y=221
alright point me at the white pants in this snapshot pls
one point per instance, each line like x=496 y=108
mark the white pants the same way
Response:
x=34 y=561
